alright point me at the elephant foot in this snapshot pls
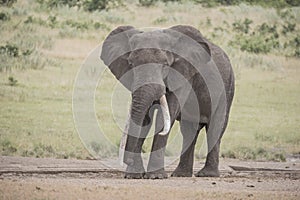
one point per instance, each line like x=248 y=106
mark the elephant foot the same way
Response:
x=159 y=174
x=134 y=175
x=208 y=172
x=179 y=172
x=134 y=172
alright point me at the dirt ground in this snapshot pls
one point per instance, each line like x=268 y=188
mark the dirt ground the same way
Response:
x=33 y=178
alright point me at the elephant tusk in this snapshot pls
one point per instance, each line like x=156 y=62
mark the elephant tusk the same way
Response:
x=166 y=115
x=124 y=140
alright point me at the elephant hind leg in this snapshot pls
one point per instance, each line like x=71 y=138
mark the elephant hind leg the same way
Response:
x=214 y=132
x=211 y=167
x=190 y=132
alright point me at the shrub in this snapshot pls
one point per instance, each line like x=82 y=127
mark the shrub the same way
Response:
x=13 y=51
x=57 y=3
x=40 y=150
x=10 y=50
x=77 y=25
x=101 y=150
x=286 y=14
x=147 y=2
x=269 y=3
x=254 y=44
x=23 y=54
x=263 y=39
x=12 y=81
x=296 y=44
x=290 y=27
x=113 y=18
x=98 y=25
x=266 y=29
x=87 y=5
x=297 y=41
x=92 y=5
x=7 y=2
x=257 y=153
x=297 y=53
x=242 y=27
x=52 y=21
x=4 y=16
x=7 y=148
x=35 y=20
x=160 y=20
x=164 y=19
x=293 y=2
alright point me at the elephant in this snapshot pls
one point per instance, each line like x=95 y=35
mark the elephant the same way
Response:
x=182 y=75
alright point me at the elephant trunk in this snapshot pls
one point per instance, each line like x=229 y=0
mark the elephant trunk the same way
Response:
x=142 y=100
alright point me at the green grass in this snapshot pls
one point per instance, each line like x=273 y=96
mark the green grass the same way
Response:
x=265 y=114
x=36 y=90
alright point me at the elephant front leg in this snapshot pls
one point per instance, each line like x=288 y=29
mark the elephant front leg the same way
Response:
x=135 y=168
x=155 y=169
x=190 y=132
x=133 y=159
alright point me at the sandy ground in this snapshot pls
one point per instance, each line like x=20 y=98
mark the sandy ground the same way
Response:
x=30 y=178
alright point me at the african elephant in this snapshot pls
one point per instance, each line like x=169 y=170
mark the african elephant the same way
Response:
x=187 y=78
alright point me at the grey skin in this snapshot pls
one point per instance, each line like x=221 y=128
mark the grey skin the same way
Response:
x=154 y=81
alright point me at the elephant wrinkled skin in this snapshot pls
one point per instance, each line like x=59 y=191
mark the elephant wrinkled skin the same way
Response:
x=178 y=68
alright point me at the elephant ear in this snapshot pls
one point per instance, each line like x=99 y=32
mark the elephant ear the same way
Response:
x=115 y=52
x=191 y=51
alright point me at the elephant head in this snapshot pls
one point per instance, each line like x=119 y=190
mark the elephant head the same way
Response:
x=141 y=61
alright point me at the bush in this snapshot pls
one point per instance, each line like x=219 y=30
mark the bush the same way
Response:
x=13 y=51
x=293 y=2
x=242 y=27
x=87 y=5
x=40 y=151
x=286 y=14
x=7 y=2
x=296 y=44
x=57 y=3
x=258 y=153
x=52 y=21
x=147 y=2
x=77 y=25
x=263 y=39
x=102 y=26
x=258 y=44
x=24 y=54
x=7 y=148
x=290 y=27
x=92 y=5
x=12 y=81
x=266 y=29
x=269 y=3
x=10 y=50
x=4 y=16
x=297 y=53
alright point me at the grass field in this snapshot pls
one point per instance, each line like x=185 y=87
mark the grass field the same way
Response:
x=36 y=85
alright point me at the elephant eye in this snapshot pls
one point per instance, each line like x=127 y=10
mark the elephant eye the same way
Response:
x=130 y=63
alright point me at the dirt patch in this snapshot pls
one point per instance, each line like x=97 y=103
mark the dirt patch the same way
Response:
x=28 y=178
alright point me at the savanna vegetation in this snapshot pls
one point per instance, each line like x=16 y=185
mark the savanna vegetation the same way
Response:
x=44 y=42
